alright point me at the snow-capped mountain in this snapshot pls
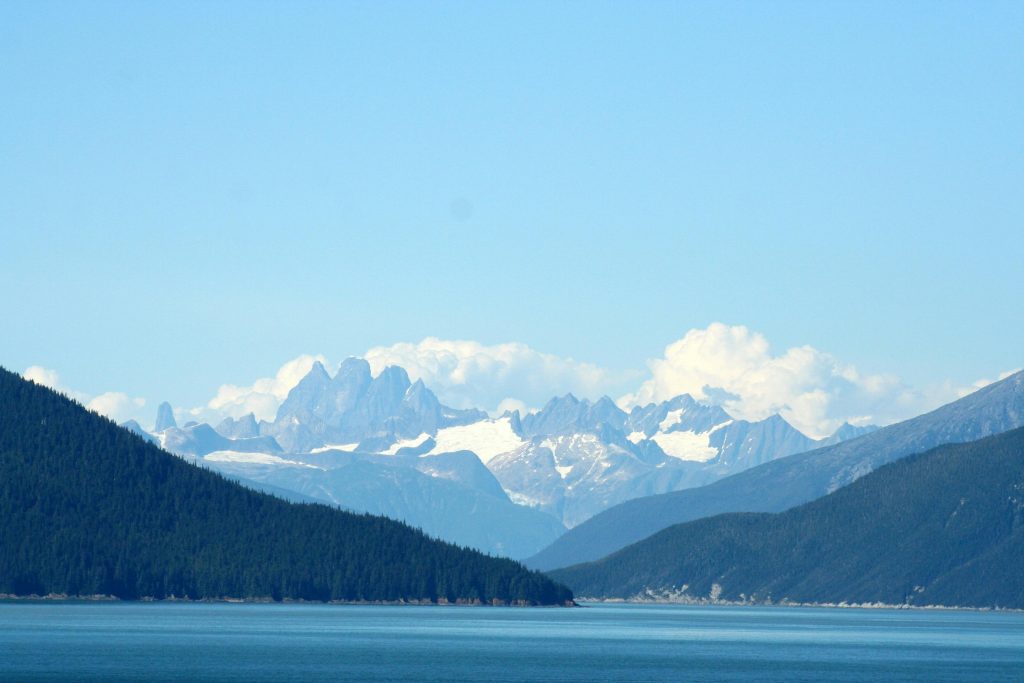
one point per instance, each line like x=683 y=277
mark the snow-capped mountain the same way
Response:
x=353 y=407
x=784 y=483
x=507 y=485
x=575 y=458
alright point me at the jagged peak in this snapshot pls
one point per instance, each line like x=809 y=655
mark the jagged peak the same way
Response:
x=847 y=431
x=353 y=367
x=418 y=390
x=777 y=419
x=569 y=398
x=317 y=372
x=685 y=400
x=394 y=372
x=164 y=417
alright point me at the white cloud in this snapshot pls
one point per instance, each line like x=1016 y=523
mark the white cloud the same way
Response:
x=467 y=374
x=463 y=374
x=729 y=365
x=512 y=404
x=981 y=383
x=812 y=390
x=113 y=404
x=262 y=397
x=116 y=405
x=44 y=376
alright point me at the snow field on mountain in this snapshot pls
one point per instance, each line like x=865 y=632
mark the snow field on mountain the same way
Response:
x=486 y=438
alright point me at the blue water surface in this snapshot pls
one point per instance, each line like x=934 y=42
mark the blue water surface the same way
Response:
x=91 y=641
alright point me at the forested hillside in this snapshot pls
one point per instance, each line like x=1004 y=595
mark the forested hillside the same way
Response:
x=89 y=508
x=941 y=528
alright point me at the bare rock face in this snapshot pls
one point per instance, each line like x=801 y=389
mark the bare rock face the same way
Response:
x=164 y=417
x=244 y=427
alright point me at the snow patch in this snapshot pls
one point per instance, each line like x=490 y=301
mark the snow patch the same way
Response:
x=406 y=443
x=347 y=447
x=254 y=458
x=636 y=437
x=486 y=438
x=686 y=445
x=673 y=417
x=719 y=426
x=563 y=471
x=522 y=499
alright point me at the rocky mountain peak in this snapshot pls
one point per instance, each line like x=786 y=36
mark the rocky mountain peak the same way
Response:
x=164 y=417
x=244 y=427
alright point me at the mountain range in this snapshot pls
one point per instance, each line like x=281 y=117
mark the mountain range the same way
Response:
x=354 y=407
x=374 y=444
x=945 y=527
x=786 y=482
x=755 y=511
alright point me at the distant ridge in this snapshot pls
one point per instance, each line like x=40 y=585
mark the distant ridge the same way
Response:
x=371 y=444
x=781 y=484
x=89 y=508
x=945 y=527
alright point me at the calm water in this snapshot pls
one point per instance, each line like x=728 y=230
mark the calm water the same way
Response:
x=154 y=641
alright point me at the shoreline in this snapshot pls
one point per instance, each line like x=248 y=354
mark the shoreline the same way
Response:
x=580 y=603
x=790 y=604
x=461 y=602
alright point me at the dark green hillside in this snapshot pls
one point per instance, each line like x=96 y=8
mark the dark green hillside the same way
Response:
x=88 y=508
x=941 y=528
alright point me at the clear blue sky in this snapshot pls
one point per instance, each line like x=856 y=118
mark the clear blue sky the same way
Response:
x=192 y=193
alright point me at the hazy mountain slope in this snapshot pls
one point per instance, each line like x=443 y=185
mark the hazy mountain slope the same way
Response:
x=90 y=508
x=450 y=496
x=135 y=428
x=941 y=528
x=847 y=432
x=201 y=439
x=742 y=445
x=790 y=481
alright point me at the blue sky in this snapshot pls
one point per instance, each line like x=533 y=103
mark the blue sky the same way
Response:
x=193 y=193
